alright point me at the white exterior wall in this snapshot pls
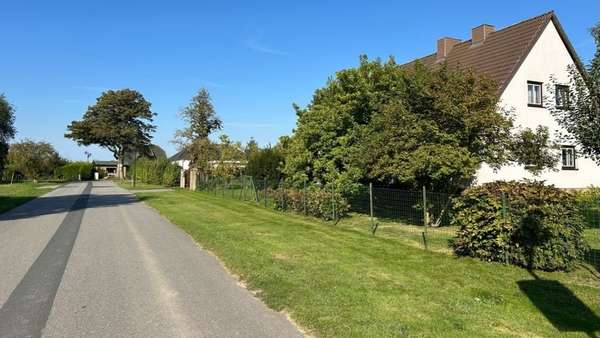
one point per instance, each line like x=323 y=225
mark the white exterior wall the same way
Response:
x=184 y=164
x=548 y=57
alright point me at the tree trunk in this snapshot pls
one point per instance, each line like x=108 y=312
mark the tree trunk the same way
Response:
x=120 y=166
x=12 y=178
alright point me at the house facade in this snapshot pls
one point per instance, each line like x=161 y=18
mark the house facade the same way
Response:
x=530 y=62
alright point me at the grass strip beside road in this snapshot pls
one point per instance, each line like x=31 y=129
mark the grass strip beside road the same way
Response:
x=341 y=281
x=13 y=195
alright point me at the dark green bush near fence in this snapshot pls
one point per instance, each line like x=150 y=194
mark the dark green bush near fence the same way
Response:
x=534 y=226
x=156 y=171
x=312 y=201
x=71 y=171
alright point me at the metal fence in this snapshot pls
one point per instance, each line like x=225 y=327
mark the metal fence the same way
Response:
x=418 y=218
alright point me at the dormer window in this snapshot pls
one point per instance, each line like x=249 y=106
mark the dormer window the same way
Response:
x=534 y=94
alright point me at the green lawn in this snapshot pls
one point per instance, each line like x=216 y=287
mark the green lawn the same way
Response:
x=138 y=185
x=13 y=195
x=338 y=280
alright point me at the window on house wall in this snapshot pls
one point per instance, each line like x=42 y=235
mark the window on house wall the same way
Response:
x=568 y=158
x=534 y=94
x=562 y=96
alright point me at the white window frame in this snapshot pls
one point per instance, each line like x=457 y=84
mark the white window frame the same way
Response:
x=534 y=97
x=568 y=162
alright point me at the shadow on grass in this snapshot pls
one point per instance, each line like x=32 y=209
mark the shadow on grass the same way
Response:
x=560 y=306
x=10 y=202
x=592 y=257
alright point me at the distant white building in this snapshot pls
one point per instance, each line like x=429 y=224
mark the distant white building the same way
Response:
x=522 y=59
x=182 y=159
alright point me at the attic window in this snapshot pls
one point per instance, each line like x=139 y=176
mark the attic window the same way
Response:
x=534 y=94
x=562 y=96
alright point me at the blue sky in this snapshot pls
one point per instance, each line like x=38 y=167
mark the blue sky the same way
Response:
x=256 y=58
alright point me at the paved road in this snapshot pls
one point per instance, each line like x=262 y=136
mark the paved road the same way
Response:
x=88 y=259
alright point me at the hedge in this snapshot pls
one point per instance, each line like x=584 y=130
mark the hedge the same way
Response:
x=313 y=201
x=71 y=171
x=536 y=226
x=159 y=171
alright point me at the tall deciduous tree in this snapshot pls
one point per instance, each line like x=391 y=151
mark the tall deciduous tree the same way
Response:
x=7 y=129
x=119 y=121
x=579 y=112
x=33 y=159
x=202 y=120
x=384 y=123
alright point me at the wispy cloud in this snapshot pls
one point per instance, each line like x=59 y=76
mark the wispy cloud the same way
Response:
x=256 y=45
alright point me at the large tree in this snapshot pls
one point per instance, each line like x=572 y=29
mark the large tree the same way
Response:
x=384 y=123
x=7 y=128
x=33 y=159
x=579 y=110
x=119 y=121
x=202 y=120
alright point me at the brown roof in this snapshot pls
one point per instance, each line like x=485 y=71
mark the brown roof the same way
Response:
x=501 y=54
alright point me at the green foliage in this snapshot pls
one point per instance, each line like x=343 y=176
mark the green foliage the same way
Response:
x=33 y=159
x=7 y=128
x=536 y=226
x=535 y=150
x=580 y=118
x=157 y=171
x=120 y=120
x=202 y=120
x=397 y=126
x=72 y=170
x=265 y=163
x=313 y=201
x=588 y=201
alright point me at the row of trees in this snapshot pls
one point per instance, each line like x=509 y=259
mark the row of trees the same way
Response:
x=379 y=122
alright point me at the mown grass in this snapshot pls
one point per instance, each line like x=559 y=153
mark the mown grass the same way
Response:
x=13 y=195
x=338 y=280
x=127 y=184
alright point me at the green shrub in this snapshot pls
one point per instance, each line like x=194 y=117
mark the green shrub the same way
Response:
x=589 y=203
x=156 y=171
x=71 y=171
x=314 y=201
x=539 y=227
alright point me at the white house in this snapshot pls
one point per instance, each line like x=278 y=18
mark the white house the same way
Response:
x=522 y=59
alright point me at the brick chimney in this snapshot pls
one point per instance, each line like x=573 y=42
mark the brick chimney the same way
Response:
x=480 y=33
x=444 y=46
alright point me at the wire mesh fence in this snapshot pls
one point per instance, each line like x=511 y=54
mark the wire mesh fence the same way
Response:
x=418 y=218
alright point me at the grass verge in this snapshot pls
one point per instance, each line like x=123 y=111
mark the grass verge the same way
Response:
x=126 y=184
x=341 y=281
x=13 y=195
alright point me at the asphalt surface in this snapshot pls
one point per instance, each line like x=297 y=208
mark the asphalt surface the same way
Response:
x=89 y=259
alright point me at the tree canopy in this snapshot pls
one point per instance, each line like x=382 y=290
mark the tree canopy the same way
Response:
x=202 y=120
x=385 y=123
x=7 y=128
x=33 y=159
x=579 y=116
x=120 y=120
